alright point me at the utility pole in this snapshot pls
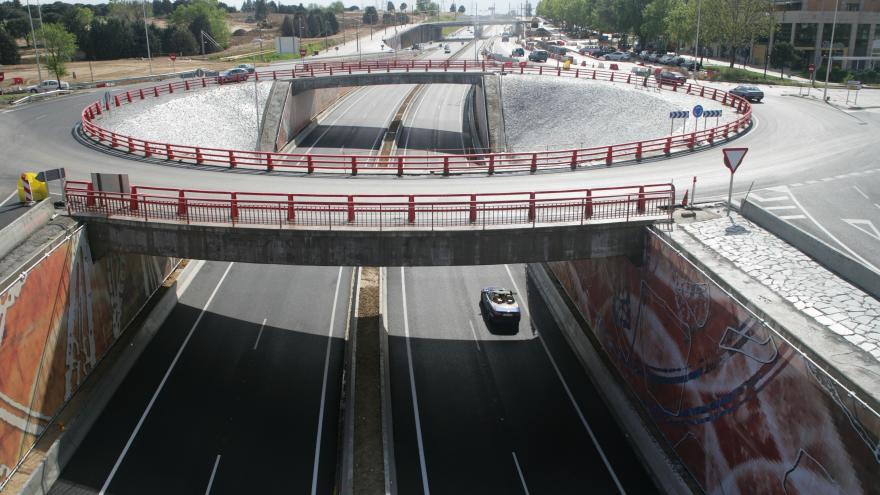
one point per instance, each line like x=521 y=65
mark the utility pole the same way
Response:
x=697 y=40
x=34 y=38
x=147 y=34
x=830 y=51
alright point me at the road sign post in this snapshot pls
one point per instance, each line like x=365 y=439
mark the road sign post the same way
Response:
x=698 y=111
x=733 y=157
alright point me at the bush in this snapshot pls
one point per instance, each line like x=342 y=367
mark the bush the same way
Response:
x=239 y=32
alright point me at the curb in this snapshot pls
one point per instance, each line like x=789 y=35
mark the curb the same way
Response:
x=385 y=390
x=114 y=370
x=345 y=474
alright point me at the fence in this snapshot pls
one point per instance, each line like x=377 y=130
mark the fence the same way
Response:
x=575 y=206
x=488 y=163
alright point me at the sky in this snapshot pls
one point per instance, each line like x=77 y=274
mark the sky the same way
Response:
x=482 y=5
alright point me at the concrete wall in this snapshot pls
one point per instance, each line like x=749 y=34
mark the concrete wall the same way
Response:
x=344 y=247
x=22 y=227
x=288 y=112
x=420 y=33
x=480 y=117
x=845 y=267
x=384 y=78
x=57 y=320
x=742 y=410
x=495 y=113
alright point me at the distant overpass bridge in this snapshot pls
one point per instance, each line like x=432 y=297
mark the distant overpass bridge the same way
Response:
x=370 y=230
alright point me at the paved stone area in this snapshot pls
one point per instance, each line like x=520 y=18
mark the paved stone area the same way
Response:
x=808 y=286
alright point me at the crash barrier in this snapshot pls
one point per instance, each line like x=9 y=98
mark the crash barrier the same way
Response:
x=489 y=163
x=395 y=211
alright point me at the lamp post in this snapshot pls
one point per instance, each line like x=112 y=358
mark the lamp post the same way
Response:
x=697 y=40
x=34 y=37
x=147 y=34
x=830 y=51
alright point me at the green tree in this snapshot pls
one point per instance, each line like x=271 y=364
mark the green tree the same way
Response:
x=286 y=26
x=19 y=27
x=128 y=10
x=203 y=15
x=337 y=7
x=784 y=55
x=389 y=7
x=261 y=10
x=681 y=22
x=60 y=46
x=181 y=41
x=403 y=6
x=654 y=24
x=8 y=48
x=736 y=22
x=452 y=8
x=370 y=15
x=461 y=9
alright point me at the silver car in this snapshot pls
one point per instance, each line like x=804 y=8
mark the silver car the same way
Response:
x=499 y=305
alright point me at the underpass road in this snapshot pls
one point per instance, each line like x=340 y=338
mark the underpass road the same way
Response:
x=244 y=403
x=480 y=411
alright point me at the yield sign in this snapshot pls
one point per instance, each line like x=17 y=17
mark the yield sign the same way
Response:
x=733 y=157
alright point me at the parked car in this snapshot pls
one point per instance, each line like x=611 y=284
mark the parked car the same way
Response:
x=690 y=64
x=751 y=93
x=538 y=56
x=618 y=56
x=667 y=59
x=518 y=52
x=499 y=305
x=247 y=67
x=669 y=77
x=47 y=85
x=232 y=76
x=641 y=71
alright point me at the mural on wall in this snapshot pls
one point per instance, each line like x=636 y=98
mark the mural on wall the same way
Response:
x=56 y=322
x=742 y=409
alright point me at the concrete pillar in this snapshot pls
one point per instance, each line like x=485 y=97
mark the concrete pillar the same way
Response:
x=872 y=33
x=817 y=58
x=851 y=49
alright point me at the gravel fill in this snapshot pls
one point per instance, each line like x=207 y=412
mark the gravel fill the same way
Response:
x=221 y=117
x=542 y=112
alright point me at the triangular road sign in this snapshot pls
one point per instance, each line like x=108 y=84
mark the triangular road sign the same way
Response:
x=733 y=157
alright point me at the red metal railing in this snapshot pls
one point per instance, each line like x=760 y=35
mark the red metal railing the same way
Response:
x=488 y=163
x=397 y=211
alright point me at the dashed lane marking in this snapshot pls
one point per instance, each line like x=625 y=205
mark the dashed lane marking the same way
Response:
x=520 y=473
x=213 y=473
x=260 y=334
x=860 y=192
x=792 y=217
x=773 y=208
x=762 y=199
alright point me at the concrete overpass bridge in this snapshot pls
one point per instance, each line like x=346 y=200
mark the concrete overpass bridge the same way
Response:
x=370 y=230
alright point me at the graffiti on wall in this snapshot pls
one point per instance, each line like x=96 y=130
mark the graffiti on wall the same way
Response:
x=56 y=322
x=744 y=412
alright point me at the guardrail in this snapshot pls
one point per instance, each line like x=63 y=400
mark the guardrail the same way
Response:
x=396 y=211
x=488 y=163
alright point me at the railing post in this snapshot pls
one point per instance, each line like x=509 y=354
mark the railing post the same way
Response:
x=711 y=135
x=181 y=203
x=693 y=140
x=274 y=75
x=133 y=203
x=574 y=159
x=113 y=142
x=354 y=165
x=667 y=148
x=199 y=158
x=269 y=166
x=445 y=165
x=128 y=96
x=612 y=77
x=491 y=164
x=232 y=162
x=204 y=83
x=155 y=91
x=148 y=152
x=726 y=129
x=186 y=84
x=472 y=216
x=609 y=156
x=400 y=166
x=640 y=204
x=234 y=206
x=639 y=151
x=531 y=207
x=310 y=164
x=702 y=91
x=534 y=166
x=90 y=194
x=116 y=100
x=588 y=205
x=411 y=215
x=291 y=211
x=130 y=145
x=594 y=73
x=170 y=88
x=541 y=70
x=141 y=93
x=351 y=209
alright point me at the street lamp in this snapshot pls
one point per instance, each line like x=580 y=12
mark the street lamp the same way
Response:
x=147 y=34
x=34 y=37
x=697 y=40
x=830 y=51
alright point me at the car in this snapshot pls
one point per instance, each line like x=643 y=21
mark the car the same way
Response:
x=505 y=39
x=690 y=64
x=247 y=67
x=446 y=49
x=499 y=305
x=48 y=85
x=667 y=59
x=641 y=71
x=538 y=56
x=669 y=77
x=416 y=46
x=232 y=76
x=748 y=92
x=518 y=52
x=618 y=56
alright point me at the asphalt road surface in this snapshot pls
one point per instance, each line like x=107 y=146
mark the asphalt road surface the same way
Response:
x=237 y=393
x=479 y=409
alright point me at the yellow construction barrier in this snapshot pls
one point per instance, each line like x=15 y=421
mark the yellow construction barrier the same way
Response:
x=38 y=190
x=566 y=65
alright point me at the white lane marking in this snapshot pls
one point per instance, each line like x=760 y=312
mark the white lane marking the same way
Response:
x=860 y=192
x=412 y=119
x=520 y=473
x=412 y=388
x=792 y=217
x=570 y=395
x=830 y=235
x=9 y=197
x=876 y=205
x=324 y=386
x=826 y=179
x=341 y=114
x=768 y=200
x=474 y=333
x=841 y=176
x=40 y=117
x=260 y=334
x=812 y=181
x=773 y=208
x=797 y=184
x=213 y=473
x=863 y=225
x=140 y=422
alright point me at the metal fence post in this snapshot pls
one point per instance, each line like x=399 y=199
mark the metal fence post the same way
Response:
x=411 y=215
x=291 y=212
x=351 y=209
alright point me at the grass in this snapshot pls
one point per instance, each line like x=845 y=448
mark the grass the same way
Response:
x=7 y=99
x=449 y=30
x=728 y=74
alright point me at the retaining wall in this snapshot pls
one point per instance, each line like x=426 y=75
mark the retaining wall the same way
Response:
x=740 y=407
x=287 y=113
x=57 y=320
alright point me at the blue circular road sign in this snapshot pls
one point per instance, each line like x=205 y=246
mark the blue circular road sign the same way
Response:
x=698 y=111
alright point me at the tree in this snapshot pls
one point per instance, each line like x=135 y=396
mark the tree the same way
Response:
x=286 y=26
x=128 y=10
x=461 y=9
x=403 y=6
x=736 y=22
x=784 y=55
x=452 y=8
x=8 y=48
x=18 y=26
x=261 y=10
x=181 y=41
x=527 y=9
x=370 y=15
x=202 y=15
x=60 y=47
x=389 y=7
x=330 y=22
x=337 y=7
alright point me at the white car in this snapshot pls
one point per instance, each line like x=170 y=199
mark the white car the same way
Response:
x=247 y=67
x=48 y=85
x=621 y=56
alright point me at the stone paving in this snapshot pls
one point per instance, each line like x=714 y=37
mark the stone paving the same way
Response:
x=808 y=286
